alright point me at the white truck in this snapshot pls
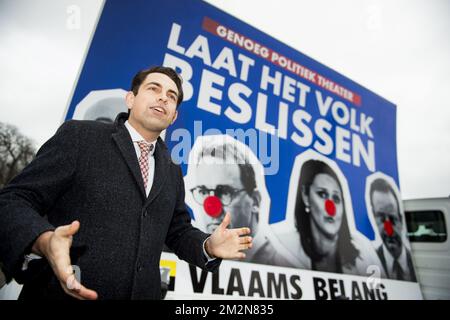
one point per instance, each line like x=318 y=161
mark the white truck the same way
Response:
x=428 y=224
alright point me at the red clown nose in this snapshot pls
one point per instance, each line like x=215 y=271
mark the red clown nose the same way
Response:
x=212 y=206
x=388 y=228
x=330 y=207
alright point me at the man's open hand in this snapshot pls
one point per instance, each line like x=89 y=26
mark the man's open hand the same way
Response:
x=228 y=243
x=55 y=246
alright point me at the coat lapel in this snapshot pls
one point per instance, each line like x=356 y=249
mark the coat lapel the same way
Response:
x=410 y=265
x=162 y=160
x=382 y=259
x=123 y=141
x=162 y=163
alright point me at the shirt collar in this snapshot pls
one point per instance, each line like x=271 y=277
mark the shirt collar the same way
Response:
x=136 y=136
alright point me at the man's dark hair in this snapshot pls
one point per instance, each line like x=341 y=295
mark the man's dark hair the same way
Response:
x=231 y=154
x=346 y=250
x=171 y=73
x=383 y=186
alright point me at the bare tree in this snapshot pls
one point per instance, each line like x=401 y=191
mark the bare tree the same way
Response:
x=3 y=279
x=16 y=151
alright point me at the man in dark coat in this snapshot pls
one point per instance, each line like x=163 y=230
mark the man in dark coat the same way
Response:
x=107 y=198
x=394 y=255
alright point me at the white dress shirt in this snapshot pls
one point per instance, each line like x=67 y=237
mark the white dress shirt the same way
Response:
x=136 y=137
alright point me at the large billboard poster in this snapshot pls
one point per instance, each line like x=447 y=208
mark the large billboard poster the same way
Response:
x=303 y=155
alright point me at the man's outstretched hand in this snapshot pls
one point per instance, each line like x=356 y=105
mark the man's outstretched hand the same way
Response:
x=55 y=246
x=228 y=243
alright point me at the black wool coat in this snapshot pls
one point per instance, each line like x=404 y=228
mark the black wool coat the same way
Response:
x=88 y=171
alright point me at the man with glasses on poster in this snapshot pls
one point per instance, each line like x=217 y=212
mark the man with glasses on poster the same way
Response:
x=225 y=176
x=226 y=183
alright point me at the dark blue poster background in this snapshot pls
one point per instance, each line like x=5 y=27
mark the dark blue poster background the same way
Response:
x=134 y=36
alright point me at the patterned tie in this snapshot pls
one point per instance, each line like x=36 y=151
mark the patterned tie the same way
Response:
x=146 y=148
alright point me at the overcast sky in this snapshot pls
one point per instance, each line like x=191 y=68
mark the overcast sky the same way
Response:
x=397 y=48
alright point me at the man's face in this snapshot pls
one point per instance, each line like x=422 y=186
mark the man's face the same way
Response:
x=389 y=222
x=224 y=178
x=153 y=109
